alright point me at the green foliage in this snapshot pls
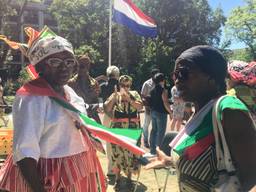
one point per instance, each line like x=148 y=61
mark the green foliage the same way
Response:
x=181 y=24
x=241 y=54
x=241 y=25
x=12 y=86
x=92 y=53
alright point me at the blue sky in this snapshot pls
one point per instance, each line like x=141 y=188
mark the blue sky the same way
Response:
x=227 y=6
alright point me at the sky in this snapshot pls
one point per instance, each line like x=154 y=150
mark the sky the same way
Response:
x=227 y=6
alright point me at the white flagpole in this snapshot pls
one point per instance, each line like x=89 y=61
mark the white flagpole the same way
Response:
x=110 y=33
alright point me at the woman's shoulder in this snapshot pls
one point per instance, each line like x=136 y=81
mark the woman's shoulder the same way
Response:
x=35 y=102
x=135 y=94
x=232 y=102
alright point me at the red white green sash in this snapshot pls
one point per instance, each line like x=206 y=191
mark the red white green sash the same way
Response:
x=192 y=140
x=126 y=138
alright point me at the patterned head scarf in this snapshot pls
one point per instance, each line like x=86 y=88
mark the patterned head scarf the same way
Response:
x=243 y=72
x=40 y=45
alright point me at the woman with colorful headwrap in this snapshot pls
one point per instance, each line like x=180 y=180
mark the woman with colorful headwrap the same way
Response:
x=242 y=83
x=50 y=154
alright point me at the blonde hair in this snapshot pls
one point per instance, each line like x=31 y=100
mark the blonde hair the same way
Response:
x=125 y=78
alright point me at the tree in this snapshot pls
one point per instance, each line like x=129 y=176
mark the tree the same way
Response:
x=181 y=24
x=6 y=11
x=241 y=25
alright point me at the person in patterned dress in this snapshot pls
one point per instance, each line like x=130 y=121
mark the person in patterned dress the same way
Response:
x=200 y=74
x=123 y=106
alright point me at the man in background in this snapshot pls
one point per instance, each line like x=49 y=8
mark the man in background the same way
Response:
x=86 y=86
x=145 y=94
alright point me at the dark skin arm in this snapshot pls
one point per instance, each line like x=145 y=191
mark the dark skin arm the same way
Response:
x=241 y=139
x=29 y=171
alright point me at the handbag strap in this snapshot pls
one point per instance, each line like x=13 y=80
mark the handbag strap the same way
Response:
x=224 y=160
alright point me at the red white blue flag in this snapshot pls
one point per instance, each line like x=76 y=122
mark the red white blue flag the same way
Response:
x=126 y=13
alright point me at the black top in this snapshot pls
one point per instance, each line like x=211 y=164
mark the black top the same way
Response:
x=156 y=101
x=107 y=88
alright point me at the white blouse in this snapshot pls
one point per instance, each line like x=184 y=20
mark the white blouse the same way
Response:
x=42 y=128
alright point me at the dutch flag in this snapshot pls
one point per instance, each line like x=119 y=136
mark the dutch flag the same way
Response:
x=126 y=13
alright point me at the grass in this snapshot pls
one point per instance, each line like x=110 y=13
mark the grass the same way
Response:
x=147 y=180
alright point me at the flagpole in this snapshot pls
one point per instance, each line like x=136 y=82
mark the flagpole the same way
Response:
x=110 y=33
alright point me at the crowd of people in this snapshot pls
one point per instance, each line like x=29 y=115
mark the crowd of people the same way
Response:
x=211 y=130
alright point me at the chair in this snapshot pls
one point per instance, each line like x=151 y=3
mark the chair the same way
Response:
x=167 y=150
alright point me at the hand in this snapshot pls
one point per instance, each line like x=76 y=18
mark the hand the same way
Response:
x=115 y=94
x=159 y=161
x=125 y=95
x=253 y=189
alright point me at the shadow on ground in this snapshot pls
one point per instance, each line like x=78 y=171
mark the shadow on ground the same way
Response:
x=124 y=188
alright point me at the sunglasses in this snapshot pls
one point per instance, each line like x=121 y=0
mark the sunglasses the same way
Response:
x=125 y=85
x=181 y=73
x=57 y=62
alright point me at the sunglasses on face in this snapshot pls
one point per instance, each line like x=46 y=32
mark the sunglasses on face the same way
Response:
x=125 y=85
x=57 y=62
x=181 y=73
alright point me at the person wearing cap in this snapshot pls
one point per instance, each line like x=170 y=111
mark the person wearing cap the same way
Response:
x=50 y=153
x=86 y=86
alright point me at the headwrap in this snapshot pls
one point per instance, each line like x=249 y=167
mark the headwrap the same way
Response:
x=209 y=60
x=40 y=44
x=242 y=72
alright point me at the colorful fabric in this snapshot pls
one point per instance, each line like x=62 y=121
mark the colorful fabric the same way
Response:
x=232 y=103
x=194 y=131
x=40 y=44
x=243 y=72
x=125 y=116
x=126 y=138
x=81 y=172
x=247 y=95
x=198 y=172
x=126 y=13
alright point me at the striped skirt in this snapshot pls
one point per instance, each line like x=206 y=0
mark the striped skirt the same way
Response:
x=78 y=173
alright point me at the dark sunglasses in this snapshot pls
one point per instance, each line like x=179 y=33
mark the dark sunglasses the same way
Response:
x=125 y=85
x=181 y=73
